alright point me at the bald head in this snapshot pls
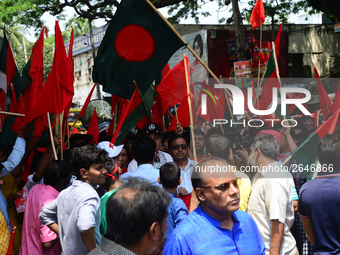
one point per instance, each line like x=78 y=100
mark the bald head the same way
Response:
x=211 y=167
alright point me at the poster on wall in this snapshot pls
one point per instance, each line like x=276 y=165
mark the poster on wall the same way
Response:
x=232 y=52
x=260 y=58
x=242 y=70
x=199 y=75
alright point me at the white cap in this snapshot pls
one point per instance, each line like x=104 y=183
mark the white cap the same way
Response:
x=112 y=151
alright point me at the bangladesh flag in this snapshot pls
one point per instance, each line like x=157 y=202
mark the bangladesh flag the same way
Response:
x=134 y=112
x=136 y=47
x=306 y=155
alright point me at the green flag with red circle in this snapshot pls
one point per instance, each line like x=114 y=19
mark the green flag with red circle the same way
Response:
x=136 y=46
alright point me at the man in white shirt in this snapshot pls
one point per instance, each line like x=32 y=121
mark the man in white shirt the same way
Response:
x=75 y=214
x=270 y=203
x=154 y=131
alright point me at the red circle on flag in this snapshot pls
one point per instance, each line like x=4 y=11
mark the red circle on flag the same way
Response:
x=134 y=43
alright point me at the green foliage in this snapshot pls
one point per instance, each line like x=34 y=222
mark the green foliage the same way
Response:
x=79 y=24
x=277 y=11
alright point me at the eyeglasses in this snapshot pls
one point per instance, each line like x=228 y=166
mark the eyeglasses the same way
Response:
x=226 y=185
x=182 y=146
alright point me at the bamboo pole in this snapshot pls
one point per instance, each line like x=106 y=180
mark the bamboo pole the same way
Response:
x=190 y=112
x=68 y=134
x=146 y=107
x=115 y=120
x=190 y=49
x=61 y=116
x=176 y=114
x=51 y=136
x=12 y=113
x=317 y=118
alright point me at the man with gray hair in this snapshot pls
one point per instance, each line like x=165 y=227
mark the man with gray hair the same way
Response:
x=270 y=203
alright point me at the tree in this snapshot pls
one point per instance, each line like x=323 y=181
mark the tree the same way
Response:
x=80 y=25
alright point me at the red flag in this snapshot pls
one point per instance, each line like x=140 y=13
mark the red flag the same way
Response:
x=165 y=70
x=87 y=102
x=336 y=102
x=277 y=42
x=70 y=53
x=129 y=117
x=94 y=127
x=325 y=102
x=172 y=88
x=257 y=16
x=71 y=63
x=58 y=89
x=34 y=77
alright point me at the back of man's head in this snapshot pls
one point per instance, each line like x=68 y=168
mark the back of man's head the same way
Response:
x=143 y=149
x=56 y=171
x=218 y=146
x=84 y=157
x=268 y=145
x=169 y=175
x=329 y=151
x=133 y=209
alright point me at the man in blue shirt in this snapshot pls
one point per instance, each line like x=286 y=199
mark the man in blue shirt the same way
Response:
x=144 y=150
x=319 y=200
x=216 y=226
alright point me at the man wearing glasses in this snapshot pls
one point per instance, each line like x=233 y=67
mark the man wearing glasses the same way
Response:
x=216 y=226
x=178 y=148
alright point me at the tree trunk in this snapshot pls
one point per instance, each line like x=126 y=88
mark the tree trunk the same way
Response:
x=93 y=54
x=238 y=30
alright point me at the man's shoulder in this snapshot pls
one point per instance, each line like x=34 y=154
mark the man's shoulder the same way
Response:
x=190 y=226
x=79 y=189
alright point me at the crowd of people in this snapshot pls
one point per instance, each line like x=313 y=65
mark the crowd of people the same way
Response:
x=150 y=195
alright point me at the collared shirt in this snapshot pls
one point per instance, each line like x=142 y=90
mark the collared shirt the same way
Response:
x=103 y=202
x=145 y=171
x=76 y=209
x=186 y=176
x=320 y=202
x=177 y=211
x=162 y=158
x=199 y=233
x=271 y=199
x=108 y=247
x=33 y=231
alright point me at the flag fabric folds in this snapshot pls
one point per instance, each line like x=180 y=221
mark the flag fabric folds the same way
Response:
x=58 y=90
x=257 y=16
x=172 y=88
x=94 y=128
x=136 y=47
x=133 y=113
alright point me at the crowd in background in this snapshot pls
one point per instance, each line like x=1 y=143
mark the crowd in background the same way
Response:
x=151 y=195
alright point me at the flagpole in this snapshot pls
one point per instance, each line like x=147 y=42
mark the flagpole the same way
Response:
x=176 y=114
x=116 y=118
x=317 y=118
x=61 y=116
x=146 y=107
x=258 y=73
x=51 y=136
x=190 y=49
x=68 y=134
x=13 y=113
x=190 y=113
